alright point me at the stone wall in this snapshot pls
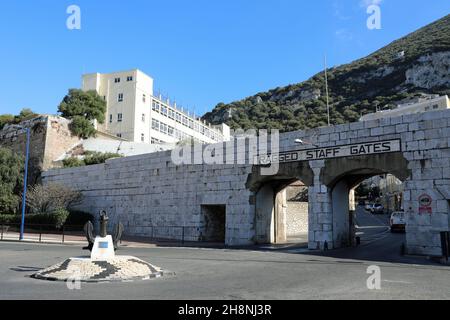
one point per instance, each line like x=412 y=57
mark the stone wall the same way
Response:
x=50 y=137
x=296 y=218
x=151 y=190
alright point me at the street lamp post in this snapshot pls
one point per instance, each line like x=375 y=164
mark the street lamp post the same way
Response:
x=25 y=181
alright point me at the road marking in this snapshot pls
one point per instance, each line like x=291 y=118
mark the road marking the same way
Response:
x=400 y=282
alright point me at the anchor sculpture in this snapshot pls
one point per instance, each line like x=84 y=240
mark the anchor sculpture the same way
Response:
x=104 y=245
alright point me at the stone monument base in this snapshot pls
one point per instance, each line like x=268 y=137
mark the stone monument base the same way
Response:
x=84 y=269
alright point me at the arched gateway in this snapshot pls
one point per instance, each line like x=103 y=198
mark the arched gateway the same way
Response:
x=236 y=204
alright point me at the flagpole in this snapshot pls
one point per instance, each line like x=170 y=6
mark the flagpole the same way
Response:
x=326 y=88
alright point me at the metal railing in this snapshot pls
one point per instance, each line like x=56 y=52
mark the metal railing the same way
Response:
x=39 y=232
x=168 y=233
x=49 y=233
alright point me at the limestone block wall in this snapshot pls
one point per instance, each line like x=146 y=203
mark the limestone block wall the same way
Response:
x=151 y=190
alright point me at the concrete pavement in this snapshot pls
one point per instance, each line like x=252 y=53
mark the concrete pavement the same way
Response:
x=240 y=274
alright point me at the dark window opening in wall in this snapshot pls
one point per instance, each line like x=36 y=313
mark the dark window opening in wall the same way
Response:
x=119 y=117
x=213 y=223
x=110 y=118
x=119 y=135
x=120 y=98
x=117 y=80
x=130 y=78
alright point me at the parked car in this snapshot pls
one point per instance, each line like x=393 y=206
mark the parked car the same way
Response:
x=398 y=222
x=378 y=209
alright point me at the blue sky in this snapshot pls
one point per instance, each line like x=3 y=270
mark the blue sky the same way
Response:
x=200 y=52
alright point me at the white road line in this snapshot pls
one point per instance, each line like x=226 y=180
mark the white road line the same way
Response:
x=393 y=281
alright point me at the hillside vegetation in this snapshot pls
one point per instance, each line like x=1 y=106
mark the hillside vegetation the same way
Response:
x=416 y=64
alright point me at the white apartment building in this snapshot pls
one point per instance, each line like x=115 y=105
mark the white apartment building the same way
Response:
x=417 y=105
x=135 y=114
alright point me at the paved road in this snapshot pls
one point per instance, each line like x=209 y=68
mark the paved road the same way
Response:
x=241 y=274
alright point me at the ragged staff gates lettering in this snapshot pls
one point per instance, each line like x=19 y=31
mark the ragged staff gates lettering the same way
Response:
x=332 y=152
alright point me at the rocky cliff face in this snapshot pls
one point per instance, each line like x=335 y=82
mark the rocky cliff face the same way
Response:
x=414 y=65
x=430 y=71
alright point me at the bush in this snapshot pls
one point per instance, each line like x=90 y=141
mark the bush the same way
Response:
x=51 y=198
x=9 y=218
x=73 y=162
x=56 y=219
x=90 y=158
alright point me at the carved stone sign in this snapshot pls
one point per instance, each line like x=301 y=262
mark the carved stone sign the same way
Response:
x=359 y=149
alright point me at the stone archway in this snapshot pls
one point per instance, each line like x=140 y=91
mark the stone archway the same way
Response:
x=270 y=199
x=334 y=179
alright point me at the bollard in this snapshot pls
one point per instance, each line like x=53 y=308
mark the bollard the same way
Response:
x=445 y=244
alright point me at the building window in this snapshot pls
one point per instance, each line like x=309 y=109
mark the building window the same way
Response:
x=129 y=78
x=120 y=98
x=178 y=117
x=164 y=110
x=119 y=135
x=436 y=106
x=191 y=124
x=163 y=128
x=142 y=137
x=171 y=114
x=155 y=124
x=117 y=80
x=143 y=117
x=185 y=121
x=119 y=117
x=171 y=131
x=110 y=118
x=144 y=98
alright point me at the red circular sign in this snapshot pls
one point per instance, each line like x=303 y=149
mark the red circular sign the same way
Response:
x=425 y=200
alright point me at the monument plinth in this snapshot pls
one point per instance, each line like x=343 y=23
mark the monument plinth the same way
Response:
x=103 y=265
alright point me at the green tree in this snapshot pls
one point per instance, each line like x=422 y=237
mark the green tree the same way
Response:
x=11 y=180
x=6 y=119
x=83 y=108
x=82 y=127
x=25 y=114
